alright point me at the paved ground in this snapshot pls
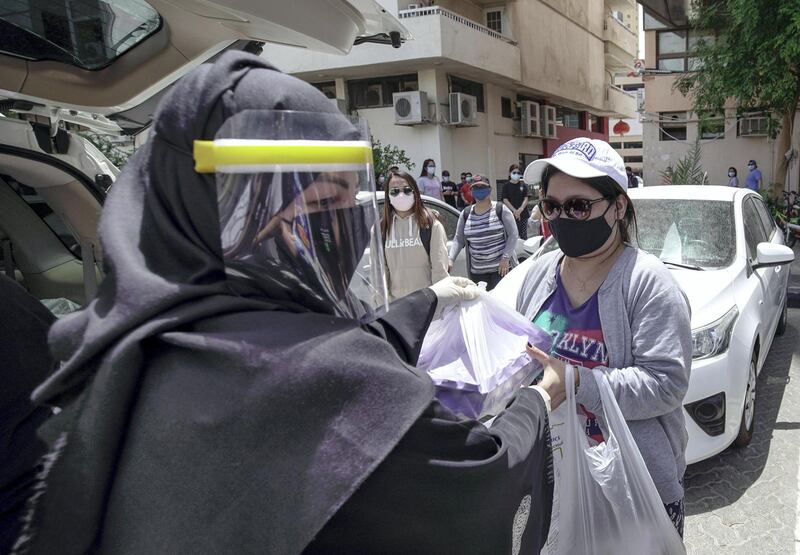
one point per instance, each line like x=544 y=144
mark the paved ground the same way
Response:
x=748 y=501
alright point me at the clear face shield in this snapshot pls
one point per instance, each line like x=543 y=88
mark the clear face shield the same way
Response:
x=297 y=207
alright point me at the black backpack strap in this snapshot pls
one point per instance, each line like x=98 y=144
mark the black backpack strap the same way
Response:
x=499 y=211
x=425 y=235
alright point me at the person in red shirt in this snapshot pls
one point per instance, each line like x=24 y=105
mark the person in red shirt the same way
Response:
x=466 y=190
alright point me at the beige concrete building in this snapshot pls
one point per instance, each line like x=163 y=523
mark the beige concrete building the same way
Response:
x=484 y=84
x=629 y=143
x=670 y=126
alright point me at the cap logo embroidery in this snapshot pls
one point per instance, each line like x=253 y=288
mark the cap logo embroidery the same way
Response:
x=586 y=149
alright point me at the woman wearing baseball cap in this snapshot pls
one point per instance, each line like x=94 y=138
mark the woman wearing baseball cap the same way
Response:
x=612 y=308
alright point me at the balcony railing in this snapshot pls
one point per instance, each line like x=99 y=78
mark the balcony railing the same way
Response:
x=436 y=10
x=618 y=33
x=620 y=101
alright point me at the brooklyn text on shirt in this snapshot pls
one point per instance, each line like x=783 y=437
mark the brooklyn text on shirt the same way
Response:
x=582 y=347
x=403 y=243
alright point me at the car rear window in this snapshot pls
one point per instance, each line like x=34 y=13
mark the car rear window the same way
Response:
x=89 y=34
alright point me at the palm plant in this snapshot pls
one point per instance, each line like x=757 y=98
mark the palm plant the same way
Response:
x=687 y=170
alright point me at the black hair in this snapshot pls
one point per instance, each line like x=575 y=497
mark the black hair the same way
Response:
x=607 y=188
x=513 y=167
x=735 y=173
x=425 y=164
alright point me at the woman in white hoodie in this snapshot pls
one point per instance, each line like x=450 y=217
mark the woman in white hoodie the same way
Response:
x=414 y=241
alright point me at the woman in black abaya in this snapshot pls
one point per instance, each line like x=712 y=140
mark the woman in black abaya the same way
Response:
x=218 y=406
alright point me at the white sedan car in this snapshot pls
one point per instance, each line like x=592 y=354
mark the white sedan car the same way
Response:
x=728 y=256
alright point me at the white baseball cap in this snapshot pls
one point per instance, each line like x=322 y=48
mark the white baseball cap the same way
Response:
x=582 y=158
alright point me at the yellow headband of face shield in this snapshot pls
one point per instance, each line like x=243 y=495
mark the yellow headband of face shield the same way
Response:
x=250 y=156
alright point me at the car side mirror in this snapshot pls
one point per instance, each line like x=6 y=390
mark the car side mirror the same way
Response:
x=770 y=254
x=532 y=244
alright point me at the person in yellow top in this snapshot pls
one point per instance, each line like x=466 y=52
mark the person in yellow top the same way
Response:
x=414 y=241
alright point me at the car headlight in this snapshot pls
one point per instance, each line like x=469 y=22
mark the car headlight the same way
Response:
x=714 y=338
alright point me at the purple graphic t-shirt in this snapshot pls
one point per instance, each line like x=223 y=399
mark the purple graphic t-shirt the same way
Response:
x=577 y=338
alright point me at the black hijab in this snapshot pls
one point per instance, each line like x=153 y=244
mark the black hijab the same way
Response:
x=165 y=288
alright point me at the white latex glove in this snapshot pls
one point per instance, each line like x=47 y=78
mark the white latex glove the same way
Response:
x=452 y=291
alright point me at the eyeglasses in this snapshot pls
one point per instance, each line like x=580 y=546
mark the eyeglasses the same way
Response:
x=407 y=190
x=575 y=208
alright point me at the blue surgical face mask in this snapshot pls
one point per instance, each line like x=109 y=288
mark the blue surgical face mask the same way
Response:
x=515 y=177
x=751 y=166
x=431 y=170
x=481 y=193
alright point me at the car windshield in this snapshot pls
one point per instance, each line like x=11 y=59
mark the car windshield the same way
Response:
x=687 y=232
x=89 y=34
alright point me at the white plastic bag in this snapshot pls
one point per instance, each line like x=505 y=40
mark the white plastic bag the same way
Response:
x=475 y=354
x=605 y=501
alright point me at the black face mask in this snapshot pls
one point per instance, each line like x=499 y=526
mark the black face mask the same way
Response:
x=581 y=237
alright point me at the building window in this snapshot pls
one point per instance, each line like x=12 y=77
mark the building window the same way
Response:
x=633 y=144
x=674 y=49
x=525 y=160
x=328 y=88
x=494 y=20
x=672 y=126
x=633 y=159
x=567 y=117
x=615 y=145
x=505 y=107
x=631 y=88
x=595 y=124
x=459 y=85
x=712 y=126
x=377 y=92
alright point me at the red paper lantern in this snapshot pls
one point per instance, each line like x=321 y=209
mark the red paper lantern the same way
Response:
x=620 y=128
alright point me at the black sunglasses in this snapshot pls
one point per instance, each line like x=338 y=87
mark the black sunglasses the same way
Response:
x=575 y=208
x=407 y=190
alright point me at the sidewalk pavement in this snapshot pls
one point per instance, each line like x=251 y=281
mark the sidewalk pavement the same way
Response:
x=794 y=279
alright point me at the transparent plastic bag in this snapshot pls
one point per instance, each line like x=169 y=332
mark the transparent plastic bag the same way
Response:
x=475 y=354
x=605 y=501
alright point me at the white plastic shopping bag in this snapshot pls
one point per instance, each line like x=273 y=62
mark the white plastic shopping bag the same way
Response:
x=475 y=354
x=605 y=502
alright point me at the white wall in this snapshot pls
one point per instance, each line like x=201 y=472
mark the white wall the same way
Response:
x=717 y=155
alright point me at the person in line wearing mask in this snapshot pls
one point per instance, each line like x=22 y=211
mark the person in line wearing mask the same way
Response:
x=733 y=180
x=449 y=190
x=516 y=196
x=613 y=308
x=466 y=190
x=459 y=197
x=414 y=241
x=381 y=180
x=754 y=180
x=230 y=390
x=429 y=183
x=633 y=183
x=489 y=232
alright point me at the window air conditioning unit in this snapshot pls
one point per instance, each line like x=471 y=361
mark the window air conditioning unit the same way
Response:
x=413 y=7
x=463 y=109
x=529 y=119
x=754 y=126
x=410 y=108
x=549 y=122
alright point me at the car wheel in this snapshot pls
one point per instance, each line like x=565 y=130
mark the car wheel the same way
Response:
x=784 y=318
x=747 y=424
